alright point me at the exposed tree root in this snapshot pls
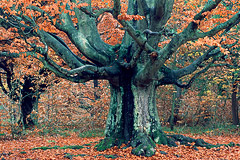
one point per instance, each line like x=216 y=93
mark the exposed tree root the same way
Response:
x=198 y=142
x=160 y=137
x=144 y=145
x=109 y=142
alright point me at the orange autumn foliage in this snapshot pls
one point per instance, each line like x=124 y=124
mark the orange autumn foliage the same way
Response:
x=22 y=149
x=60 y=105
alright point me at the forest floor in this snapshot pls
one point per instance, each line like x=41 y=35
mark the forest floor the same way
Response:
x=75 y=147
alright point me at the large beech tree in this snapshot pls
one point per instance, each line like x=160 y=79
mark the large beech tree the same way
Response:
x=134 y=68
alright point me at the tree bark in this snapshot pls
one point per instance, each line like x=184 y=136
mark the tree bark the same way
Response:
x=174 y=117
x=133 y=118
x=134 y=69
x=235 y=105
x=27 y=105
x=28 y=100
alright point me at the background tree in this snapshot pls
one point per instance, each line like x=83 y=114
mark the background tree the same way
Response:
x=24 y=90
x=229 y=80
x=135 y=68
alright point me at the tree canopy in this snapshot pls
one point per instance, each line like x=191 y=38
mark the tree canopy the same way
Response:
x=35 y=21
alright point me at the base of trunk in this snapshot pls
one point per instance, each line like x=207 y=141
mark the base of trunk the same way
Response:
x=144 y=145
x=133 y=120
x=27 y=122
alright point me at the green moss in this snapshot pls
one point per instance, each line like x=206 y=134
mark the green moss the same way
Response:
x=144 y=150
x=45 y=148
x=72 y=147
x=231 y=144
x=58 y=147
x=106 y=143
x=70 y=156
x=160 y=137
x=23 y=152
x=109 y=142
x=144 y=145
x=2 y=134
x=109 y=156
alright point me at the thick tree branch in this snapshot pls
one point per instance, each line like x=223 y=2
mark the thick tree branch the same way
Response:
x=192 y=67
x=138 y=36
x=143 y=7
x=43 y=14
x=195 y=76
x=88 y=28
x=85 y=37
x=226 y=25
x=78 y=75
x=60 y=49
x=190 y=33
x=171 y=76
x=116 y=8
x=160 y=14
x=83 y=73
x=133 y=60
x=65 y=45
x=162 y=9
x=99 y=57
x=208 y=7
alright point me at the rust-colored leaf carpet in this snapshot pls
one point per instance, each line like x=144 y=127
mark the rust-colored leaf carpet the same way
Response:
x=59 y=147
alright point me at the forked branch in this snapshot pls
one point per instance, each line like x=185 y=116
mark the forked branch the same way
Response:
x=195 y=76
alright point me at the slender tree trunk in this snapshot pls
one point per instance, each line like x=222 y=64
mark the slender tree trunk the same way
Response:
x=27 y=105
x=95 y=85
x=174 y=117
x=235 y=105
x=29 y=99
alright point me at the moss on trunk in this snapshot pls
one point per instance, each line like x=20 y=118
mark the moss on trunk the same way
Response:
x=133 y=120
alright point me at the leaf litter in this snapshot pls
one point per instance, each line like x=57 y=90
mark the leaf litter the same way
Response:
x=75 y=147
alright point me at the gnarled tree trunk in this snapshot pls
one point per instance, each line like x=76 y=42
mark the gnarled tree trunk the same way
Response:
x=134 y=68
x=27 y=105
x=133 y=118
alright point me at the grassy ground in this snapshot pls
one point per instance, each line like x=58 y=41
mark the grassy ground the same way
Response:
x=216 y=130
